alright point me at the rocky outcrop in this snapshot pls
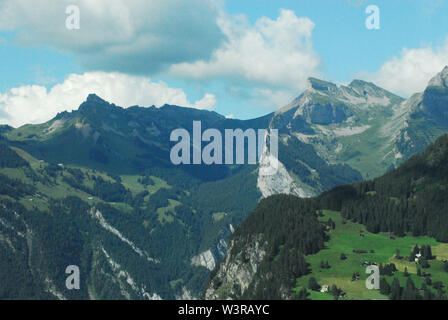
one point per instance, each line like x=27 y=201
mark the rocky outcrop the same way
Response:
x=205 y=259
x=435 y=98
x=279 y=182
x=236 y=272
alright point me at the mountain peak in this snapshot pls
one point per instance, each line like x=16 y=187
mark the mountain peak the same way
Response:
x=440 y=80
x=321 y=85
x=360 y=83
x=94 y=103
x=95 y=99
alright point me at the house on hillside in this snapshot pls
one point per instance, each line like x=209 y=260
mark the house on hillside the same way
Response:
x=324 y=288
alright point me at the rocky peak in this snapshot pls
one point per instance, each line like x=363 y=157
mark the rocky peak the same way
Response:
x=321 y=85
x=94 y=104
x=363 y=87
x=440 y=80
x=93 y=98
x=435 y=98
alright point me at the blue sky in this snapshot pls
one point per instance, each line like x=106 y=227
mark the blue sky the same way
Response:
x=342 y=40
x=331 y=41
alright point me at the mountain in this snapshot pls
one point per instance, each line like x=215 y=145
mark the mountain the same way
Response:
x=287 y=241
x=140 y=227
x=355 y=131
x=109 y=169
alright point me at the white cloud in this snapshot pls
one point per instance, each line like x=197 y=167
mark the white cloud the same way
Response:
x=411 y=71
x=271 y=53
x=195 y=40
x=36 y=104
x=269 y=98
x=130 y=36
x=208 y=102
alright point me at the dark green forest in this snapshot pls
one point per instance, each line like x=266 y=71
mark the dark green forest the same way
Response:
x=411 y=200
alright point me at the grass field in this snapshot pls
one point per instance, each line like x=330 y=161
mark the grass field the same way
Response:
x=57 y=188
x=381 y=248
x=166 y=214
x=131 y=183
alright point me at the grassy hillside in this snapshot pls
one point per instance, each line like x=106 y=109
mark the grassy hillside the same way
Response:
x=346 y=237
x=390 y=221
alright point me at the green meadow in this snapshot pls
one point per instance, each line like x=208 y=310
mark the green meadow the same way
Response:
x=380 y=248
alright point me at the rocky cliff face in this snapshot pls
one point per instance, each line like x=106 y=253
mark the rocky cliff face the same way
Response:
x=435 y=98
x=205 y=259
x=234 y=275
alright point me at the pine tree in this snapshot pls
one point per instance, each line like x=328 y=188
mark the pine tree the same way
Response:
x=331 y=224
x=335 y=292
x=409 y=292
x=395 y=290
x=302 y=295
x=313 y=285
x=424 y=263
x=384 y=286
x=428 y=253
x=445 y=266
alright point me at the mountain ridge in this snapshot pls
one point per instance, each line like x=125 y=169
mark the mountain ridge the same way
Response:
x=270 y=253
x=116 y=160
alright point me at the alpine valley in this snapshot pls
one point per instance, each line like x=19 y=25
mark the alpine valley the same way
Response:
x=95 y=188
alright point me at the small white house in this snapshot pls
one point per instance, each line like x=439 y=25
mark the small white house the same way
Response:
x=418 y=255
x=324 y=288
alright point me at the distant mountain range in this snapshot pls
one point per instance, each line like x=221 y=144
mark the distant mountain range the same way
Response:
x=156 y=229
x=359 y=127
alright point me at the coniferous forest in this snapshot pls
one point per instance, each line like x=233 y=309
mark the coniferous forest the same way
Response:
x=406 y=204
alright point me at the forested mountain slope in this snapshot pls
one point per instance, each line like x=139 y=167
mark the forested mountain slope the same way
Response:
x=367 y=222
x=110 y=168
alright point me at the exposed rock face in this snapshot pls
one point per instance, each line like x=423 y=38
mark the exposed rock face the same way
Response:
x=280 y=182
x=435 y=98
x=185 y=295
x=325 y=113
x=236 y=272
x=205 y=259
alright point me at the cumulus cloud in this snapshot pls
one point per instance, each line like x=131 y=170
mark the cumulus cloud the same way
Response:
x=411 y=71
x=268 y=54
x=36 y=104
x=196 y=40
x=132 y=36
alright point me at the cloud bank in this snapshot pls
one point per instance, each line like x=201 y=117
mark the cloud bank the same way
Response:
x=193 y=40
x=270 y=53
x=411 y=71
x=35 y=104
x=128 y=36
